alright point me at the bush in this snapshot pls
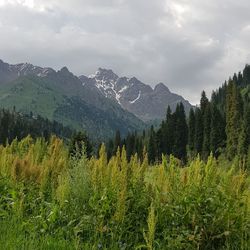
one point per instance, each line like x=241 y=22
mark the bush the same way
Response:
x=51 y=201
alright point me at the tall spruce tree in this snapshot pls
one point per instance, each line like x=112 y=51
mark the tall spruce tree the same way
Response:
x=217 y=133
x=169 y=132
x=117 y=141
x=206 y=131
x=152 y=146
x=233 y=119
x=244 y=140
x=191 y=130
x=203 y=103
x=180 y=133
x=198 y=131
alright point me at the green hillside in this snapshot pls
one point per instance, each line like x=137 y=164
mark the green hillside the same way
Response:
x=63 y=98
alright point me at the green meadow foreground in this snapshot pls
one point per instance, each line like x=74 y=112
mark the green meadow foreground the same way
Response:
x=49 y=200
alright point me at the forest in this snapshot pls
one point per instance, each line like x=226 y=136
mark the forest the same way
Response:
x=220 y=125
x=182 y=185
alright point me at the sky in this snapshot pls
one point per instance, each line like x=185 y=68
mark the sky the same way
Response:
x=190 y=45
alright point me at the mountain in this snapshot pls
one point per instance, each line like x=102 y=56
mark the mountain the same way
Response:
x=61 y=96
x=133 y=95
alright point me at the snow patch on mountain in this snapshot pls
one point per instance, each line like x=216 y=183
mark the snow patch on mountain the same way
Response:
x=137 y=98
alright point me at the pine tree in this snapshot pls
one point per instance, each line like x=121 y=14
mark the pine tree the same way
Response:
x=246 y=75
x=233 y=119
x=152 y=146
x=181 y=133
x=203 y=103
x=168 y=132
x=206 y=131
x=110 y=149
x=198 y=131
x=117 y=141
x=244 y=140
x=191 y=130
x=217 y=134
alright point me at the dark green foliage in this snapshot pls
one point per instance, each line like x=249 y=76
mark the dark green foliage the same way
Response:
x=117 y=141
x=191 y=130
x=217 y=134
x=244 y=139
x=180 y=133
x=216 y=126
x=152 y=146
x=233 y=118
x=198 y=131
x=206 y=148
x=246 y=75
x=16 y=125
x=78 y=143
x=203 y=102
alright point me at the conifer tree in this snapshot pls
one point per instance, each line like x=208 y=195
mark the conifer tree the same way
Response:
x=152 y=146
x=110 y=149
x=191 y=129
x=217 y=134
x=198 y=131
x=233 y=119
x=168 y=131
x=203 y=103
x=181 y=133
x=117 y=141
x=246 y=75
x=206 y=131
x=244 y=140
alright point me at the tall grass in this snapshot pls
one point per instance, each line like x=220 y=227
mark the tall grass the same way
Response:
x=51 y=201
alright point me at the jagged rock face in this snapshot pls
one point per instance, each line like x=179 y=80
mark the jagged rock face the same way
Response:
x=11 y=72
x=127 y=99
x=62 y=96
x=133 y=95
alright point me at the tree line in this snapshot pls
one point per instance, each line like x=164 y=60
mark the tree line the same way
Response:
x=15 y=125
x=220 y=125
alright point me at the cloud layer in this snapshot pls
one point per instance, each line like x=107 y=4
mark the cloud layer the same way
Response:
x=190 y=45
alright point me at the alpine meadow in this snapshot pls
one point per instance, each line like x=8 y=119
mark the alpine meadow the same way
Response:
x=114 y=158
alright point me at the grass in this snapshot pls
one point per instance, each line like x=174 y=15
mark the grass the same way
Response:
x=51 y=201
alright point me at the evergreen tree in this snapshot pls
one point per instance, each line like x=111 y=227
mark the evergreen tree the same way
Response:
x=191 y=129
x=152 y=146
x=130 y=145
x=181 y=133
x=168 y=132
x=217 y=134
x=233 y=119
x=198 y=131
x=203 y=103
x=244 y=140
x=206 y=131
x=110 y=149
x=117 y=141
x=246 y=75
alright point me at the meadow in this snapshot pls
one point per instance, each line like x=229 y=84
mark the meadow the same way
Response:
x=50 y=200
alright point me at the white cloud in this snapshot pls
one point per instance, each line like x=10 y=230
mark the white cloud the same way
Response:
x=190 y=45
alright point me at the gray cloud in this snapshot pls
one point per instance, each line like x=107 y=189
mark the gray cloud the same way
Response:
x=190 y=45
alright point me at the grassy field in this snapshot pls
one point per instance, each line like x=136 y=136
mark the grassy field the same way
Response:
x=51 y=201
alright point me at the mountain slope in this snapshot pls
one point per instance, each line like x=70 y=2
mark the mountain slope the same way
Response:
x=62 y=96
x=135 y=96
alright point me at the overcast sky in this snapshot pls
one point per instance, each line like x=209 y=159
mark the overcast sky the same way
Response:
x=190 y=45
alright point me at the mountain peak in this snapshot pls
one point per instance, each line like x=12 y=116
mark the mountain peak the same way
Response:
x=160 y=87
x=64 y=70
x=104 y=74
